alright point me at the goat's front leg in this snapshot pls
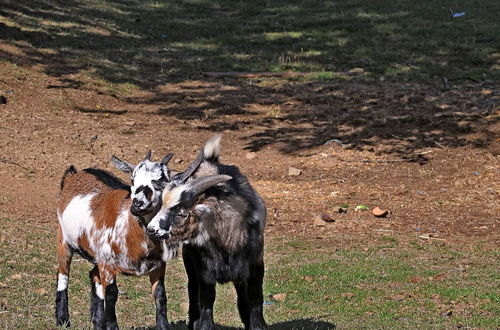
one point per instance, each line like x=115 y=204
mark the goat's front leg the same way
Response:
x=189 y=258
x=64 y=255
x=110 y=290
x=256 y=296
x=157 y=279
x=96 y=299
x=207 y=299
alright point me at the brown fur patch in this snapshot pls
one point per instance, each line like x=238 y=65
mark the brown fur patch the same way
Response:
x=63 y=253
x=83 y=243
x=106 y=207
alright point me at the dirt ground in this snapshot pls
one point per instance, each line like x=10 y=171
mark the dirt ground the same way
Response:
x=427 y=154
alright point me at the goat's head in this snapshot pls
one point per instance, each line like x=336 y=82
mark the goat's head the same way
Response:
x=148 y=181
x=180 y=211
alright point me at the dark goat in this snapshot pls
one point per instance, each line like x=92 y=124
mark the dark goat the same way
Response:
x=226 y=219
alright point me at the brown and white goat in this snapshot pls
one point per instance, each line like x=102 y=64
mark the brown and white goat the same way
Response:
x=226 y=242
x=104 y=220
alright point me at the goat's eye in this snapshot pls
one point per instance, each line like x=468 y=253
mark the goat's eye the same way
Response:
x=158 y=184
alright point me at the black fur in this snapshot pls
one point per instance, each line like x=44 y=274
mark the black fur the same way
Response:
x=110 y=297
x=211 y=263
x=108 y=179
x=96 y=305
x=62 y=313
x=161 y=306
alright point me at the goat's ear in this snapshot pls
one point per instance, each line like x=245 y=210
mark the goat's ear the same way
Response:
x=167 y=158
x=122 y=165
x=148 y=155
x=201 y=209
x=199 y=185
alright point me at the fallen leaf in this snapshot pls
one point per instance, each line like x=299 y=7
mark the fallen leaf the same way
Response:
x=185 y=307
x=278 y=296
x=361 y=208
x=348 y=295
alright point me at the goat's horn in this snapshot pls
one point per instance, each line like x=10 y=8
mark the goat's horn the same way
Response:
x=183 y=176
x=167 y=158
x=199 y=185
x=148 y=155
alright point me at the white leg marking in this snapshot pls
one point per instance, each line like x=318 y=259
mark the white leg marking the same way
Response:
x=62 y=282
x=99 y=290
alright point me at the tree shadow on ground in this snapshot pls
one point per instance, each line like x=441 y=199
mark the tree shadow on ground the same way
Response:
x=148 y=43
x=385 y=118
x=151 y=43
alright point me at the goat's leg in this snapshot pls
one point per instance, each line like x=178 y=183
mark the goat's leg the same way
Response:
x=243 y=302
x=108 y=282
x=157 y=279
x=207 y=299
x=256 y=296
x=64 y=255
x=189 y=259
x=96 y=299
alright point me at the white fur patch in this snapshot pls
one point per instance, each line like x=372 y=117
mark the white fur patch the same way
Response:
x=167 y=253
x=201 y=238
x=76 y=219
x=62 y=282
x=212 y=147
x=99 y=290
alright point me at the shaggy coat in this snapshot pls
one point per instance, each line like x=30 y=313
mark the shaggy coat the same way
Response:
x=226 y=243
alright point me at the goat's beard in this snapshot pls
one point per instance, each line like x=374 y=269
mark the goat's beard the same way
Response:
x=181 y=232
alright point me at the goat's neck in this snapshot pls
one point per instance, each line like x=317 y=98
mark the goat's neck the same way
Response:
x=145 y=219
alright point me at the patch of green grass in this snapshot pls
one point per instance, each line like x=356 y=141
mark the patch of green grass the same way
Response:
x=362 y=284
x=150 y=42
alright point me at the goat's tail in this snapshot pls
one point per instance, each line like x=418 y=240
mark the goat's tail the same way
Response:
x=69 y=171
x=211 y=151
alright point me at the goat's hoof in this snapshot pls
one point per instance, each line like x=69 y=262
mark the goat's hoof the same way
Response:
x=63 y=322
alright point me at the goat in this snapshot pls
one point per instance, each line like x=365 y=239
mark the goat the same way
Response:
x=223 y=219
x=104 y=220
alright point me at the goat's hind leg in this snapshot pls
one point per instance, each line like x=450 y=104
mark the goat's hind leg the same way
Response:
x=110 y=290
x=96 y=299
x=256 y=296
x=64 y=256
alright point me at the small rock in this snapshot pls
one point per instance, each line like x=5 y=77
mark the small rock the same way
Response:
x=318 y=221
x=378 y=212
x=327 y=218
x=177 y=161
x=3 y=99
x=250 y=155
x=356 y=70
x=339 y=209
x=292 y=171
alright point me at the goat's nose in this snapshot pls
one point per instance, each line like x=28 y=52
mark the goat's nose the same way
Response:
x=137 y=203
